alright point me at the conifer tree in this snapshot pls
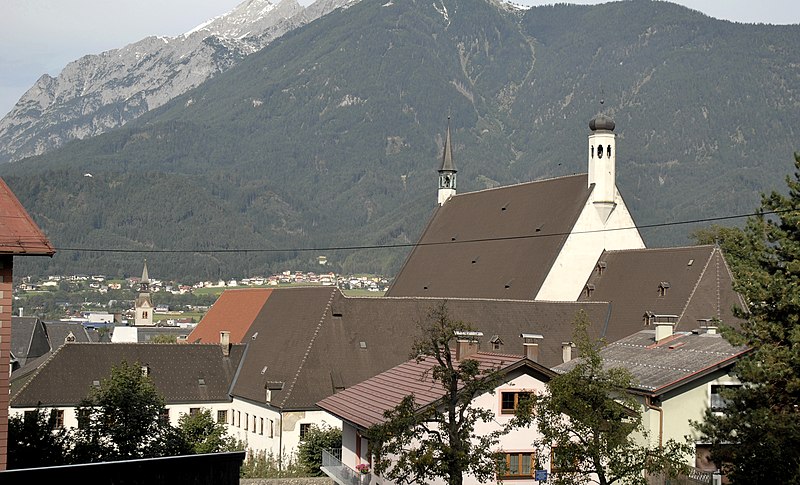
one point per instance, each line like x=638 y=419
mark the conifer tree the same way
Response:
x=755 y=440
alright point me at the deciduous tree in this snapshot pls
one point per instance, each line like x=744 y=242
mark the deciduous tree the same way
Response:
x=592 y=426
x=419 y=444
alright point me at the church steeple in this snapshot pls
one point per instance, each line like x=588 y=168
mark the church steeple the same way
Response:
x=602 y=164
x=144 y=305
x=447 y=172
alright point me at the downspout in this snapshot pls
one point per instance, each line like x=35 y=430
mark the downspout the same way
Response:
x=648 y=401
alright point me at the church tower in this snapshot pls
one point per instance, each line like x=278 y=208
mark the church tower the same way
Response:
x=602 y=161
x=447 y=173
x=144 y=306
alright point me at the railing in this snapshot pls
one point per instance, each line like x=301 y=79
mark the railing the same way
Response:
x=694 y=476
x=340 y=473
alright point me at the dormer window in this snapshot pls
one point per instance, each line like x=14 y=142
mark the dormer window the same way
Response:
x=648 y=318
x=601 y=266
x=588 y=290
x=662 y=288
x=496 y=342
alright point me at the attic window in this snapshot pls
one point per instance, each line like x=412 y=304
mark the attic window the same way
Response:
x=588 y=289
x=201 y=381
x=504 y=207
x=648 y=318
x=691 y=262
x=662 y=288
x=539 y=227
x=362 y=345
x=96 y=383
x=337 y=313
x=497 y=342
x=453 y=238
x=425 y=288
x=601 y=266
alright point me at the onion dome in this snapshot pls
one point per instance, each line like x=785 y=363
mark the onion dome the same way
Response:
x=601 y=122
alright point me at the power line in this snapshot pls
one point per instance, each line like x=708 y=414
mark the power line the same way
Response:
x=408 y=245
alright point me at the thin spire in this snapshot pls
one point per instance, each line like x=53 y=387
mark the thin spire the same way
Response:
x=145 y=277
x=447 y=156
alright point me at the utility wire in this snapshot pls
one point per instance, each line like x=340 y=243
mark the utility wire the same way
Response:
x=408 y=245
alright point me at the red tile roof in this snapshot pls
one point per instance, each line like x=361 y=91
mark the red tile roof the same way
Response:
x=234 y=311
x=365 y=403
x=18 y=233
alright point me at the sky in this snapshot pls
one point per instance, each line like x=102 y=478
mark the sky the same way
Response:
x=42 y=36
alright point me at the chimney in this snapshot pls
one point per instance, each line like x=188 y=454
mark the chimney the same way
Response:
x=708 y=325
x=467 y=344
x=531 y=345
x=225 y=342
x=664 y=324
x=566 y=351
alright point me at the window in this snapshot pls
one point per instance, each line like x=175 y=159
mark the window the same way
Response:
x=246 y=421
x=304 y=429
x=233 y=415
x=222 y=416
x=509 y=401
x=57 y=418
x=718 y=401
x=164 y=416
x=83 y=418
x=261 y=426
x=270 y=430
x=519 y=464
x=238 y=419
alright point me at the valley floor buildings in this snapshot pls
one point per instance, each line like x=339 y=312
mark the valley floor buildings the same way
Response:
x=516 y=262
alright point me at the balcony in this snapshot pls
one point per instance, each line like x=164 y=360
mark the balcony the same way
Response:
x=340 y=473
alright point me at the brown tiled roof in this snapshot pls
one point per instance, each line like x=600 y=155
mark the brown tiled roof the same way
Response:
x=365 y=403
x=315 y=340
x=505 y=262
x=176 y=370
x=677 y=360
x=233 y=311
x=18 y=233
x=700 y=286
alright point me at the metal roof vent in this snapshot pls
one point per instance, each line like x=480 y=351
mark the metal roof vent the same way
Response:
x=201 y=381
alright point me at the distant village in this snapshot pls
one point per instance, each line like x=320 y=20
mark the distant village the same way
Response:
x=109 y=311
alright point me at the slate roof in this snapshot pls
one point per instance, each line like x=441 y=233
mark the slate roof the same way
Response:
x=365 y=403
x=516 y=232
x=28 y=339
x=176 y=370
x=18 y=233
x=233 y=311
x=700 y=286
x=316 y=341
x=660 y=367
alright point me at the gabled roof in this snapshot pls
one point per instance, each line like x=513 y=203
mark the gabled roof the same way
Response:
x=233 y=311
x=364 y=404
x=660 y=367
x=28 y=339
x=495 y=243
x=316 y=341
x=695 y=284
x=18 y=233
x=176 y=369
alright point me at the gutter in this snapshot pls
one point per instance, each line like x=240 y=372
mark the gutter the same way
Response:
x=648 y=401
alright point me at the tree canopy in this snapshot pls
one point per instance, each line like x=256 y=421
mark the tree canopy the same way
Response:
x=418 y=444
x=755 y=438
x=592 y=426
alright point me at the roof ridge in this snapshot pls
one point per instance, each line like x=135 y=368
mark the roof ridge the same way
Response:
x=39 y=369
x=560 y=177
x=696 y=285
x=462 y=298
x=696 y=246
x=308 y=349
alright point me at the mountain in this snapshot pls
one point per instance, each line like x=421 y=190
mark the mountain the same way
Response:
x=100 y=92
x=330 y=136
